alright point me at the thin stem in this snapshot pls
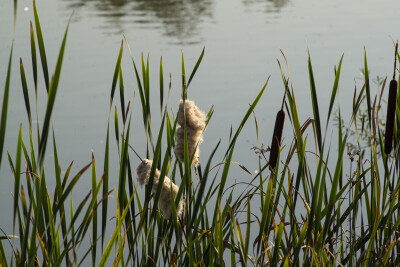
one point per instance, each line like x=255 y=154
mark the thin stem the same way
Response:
x=395 y=60
x=284 y=96
x=135 y=153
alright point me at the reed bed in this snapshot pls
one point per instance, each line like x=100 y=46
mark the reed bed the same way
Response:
x=301 y=208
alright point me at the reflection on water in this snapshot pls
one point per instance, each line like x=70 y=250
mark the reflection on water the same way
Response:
x=179 y=18
x=270 y=5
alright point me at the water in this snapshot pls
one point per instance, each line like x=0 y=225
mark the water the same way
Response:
x=242 y=40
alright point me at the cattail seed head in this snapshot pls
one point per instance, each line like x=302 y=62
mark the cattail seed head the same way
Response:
x=276 y=138
x=278 y=130
x=194 y=138
x=195 y=118
x=195 y=124
x=165 y=199
x=143 y=172
x=390 y=116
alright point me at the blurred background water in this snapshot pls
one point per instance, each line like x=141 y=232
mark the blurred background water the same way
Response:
x=242 y=40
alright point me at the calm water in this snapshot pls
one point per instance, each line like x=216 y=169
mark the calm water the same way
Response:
x=243 y=39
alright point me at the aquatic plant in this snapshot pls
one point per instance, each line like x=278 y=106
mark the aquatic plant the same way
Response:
x=193 y=120
x=168 y=188
x=303 y=207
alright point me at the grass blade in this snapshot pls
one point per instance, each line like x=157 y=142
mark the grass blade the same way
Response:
x=367 y=87
x=314 y=99
x=17 y=174
x=116 y=127
x=122 y=94
x=114 y=236
x=26 y=95
x=116 y=73
x=195 y=67
x=334 y=89
x=42 y=50
x=34 y=59
x=105 y=189
x=71 y=185
x=184 y=87
x=4 y=108
x=51 y=99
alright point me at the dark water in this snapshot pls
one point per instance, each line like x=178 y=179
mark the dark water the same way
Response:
x=242 y=40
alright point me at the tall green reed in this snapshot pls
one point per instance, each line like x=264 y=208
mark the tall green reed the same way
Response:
x=308 y=209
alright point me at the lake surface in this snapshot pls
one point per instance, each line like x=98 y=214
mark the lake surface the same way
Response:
x=242 y=40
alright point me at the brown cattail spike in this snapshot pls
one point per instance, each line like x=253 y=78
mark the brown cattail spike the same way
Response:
x=277 y=136
x=391 y=109
x=390 y=116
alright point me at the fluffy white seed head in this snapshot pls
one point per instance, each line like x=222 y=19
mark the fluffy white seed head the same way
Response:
x=143 y=172
x=195 y=118
x=195 y=124
x=194 y=138
x=165 y=199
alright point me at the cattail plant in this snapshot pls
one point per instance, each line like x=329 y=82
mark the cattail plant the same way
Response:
x=195 y=121
x=277 y=136
x=143 y=172
x=195 y=118
x=391 y=109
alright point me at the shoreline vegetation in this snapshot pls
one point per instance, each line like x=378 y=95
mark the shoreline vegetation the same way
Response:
x=295 y=211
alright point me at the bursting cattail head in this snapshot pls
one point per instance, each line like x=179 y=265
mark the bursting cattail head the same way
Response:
x=195 y=118
x=165 y=199
x=143 y=172
x=195 y=124
x=194 y=138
